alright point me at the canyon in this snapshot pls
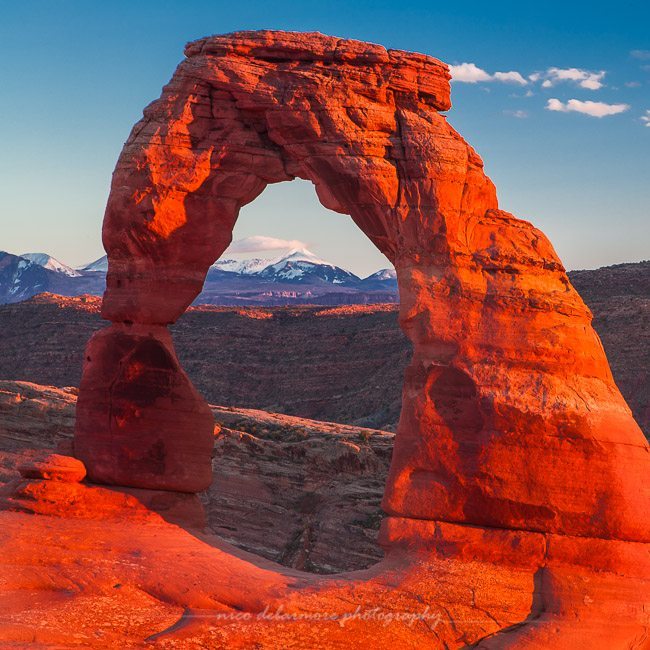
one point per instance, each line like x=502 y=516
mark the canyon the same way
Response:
x=313 y=362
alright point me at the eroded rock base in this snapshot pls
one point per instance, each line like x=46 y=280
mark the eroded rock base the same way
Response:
x=90 y=566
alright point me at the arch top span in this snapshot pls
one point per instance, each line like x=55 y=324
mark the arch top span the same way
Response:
x=243 y=110
x=510 y=414
x=425 y=77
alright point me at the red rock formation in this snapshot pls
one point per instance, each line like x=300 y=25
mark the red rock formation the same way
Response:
x=77 y=558
x=510 y=418
x=508 y=378
x=54 y=467
x=156 y=430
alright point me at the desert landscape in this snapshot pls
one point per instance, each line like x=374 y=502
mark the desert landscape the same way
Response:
x=199 y=452
x=275 y=418
x=238 y=356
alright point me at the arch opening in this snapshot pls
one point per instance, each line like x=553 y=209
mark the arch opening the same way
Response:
x=306 y=406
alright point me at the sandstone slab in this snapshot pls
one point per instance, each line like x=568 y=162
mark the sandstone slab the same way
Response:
x=54 y=467
x=105 y=557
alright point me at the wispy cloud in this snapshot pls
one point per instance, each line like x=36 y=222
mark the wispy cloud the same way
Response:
x=470 y=73
x=644 y=55
x=594 y=109
x=583 y=78
x=258 y=243
x=632 y=84
x=646 y=118
x=511 y=77
x=519 y=114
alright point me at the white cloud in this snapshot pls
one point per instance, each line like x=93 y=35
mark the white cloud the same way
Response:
x=644 y=55
x=595 y=109
x=583 y=78
x=632 y=84
x=646 y=118
x=470 y=73
x=518 y=114
x=511 y=77
x=259 y=243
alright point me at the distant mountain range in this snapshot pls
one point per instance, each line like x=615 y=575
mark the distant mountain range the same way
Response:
x=299 y=277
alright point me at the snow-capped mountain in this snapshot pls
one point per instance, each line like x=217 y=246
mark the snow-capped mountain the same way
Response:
x=20 y=278
x=98 y=266
x=303 y=266
x=382 y=280
x=244 y=267
x=49 y=262
x=298 y=266
x=298 y=277
x=382 y=275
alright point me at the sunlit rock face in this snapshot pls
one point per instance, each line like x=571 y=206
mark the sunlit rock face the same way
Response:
x=516 y=497
x=510 y=415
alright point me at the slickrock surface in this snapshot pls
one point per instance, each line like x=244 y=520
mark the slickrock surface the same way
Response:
x=300 y=492
x=33 y=418
x=88 y=566
x=92 y=567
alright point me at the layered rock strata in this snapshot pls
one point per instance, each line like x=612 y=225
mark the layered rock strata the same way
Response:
x=514 y=443
x=510 y=414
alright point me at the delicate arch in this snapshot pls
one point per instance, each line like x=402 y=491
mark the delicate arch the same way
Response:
x=510 y=414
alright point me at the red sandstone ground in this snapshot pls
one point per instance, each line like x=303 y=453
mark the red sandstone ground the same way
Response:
x=94 y=567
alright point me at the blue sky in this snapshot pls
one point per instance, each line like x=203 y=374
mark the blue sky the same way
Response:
x=75 y=76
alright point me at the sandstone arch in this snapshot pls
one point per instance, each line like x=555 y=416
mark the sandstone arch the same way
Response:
x=511 y=418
